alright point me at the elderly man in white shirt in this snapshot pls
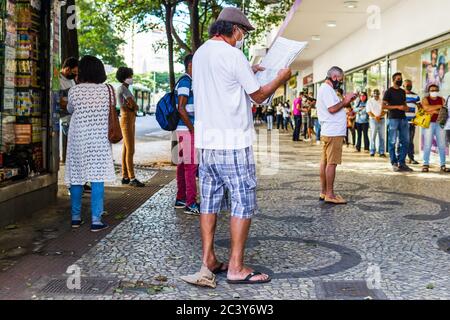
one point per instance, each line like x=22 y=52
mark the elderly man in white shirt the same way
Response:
x=377 y=124
x=333 y=122
x=224 y=84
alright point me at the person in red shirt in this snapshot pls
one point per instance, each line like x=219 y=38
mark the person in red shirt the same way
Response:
x=433 y=104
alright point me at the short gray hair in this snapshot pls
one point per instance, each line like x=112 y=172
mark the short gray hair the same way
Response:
x=335 y=71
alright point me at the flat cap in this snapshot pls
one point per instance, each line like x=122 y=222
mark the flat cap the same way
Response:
x=235 y=15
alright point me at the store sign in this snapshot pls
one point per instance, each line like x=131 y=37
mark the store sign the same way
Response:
x=308 y=80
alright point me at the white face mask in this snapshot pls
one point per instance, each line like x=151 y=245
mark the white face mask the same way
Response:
x=129 y=81
x=239 y=43
x=434 y=94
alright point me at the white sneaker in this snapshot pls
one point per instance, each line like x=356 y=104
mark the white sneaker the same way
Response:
x=318 y=142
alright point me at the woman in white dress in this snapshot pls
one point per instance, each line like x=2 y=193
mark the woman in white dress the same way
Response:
x=89 y=155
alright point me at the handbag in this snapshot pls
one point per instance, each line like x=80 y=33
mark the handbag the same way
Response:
x=422 y=119
x=114 y=130
x=443 y=115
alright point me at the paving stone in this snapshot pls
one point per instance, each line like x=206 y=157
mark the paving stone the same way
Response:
x=393 y=231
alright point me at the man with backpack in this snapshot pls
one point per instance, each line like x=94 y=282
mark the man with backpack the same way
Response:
x=187 y=160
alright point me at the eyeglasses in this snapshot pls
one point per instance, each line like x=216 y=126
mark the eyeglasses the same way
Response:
x=244 y=32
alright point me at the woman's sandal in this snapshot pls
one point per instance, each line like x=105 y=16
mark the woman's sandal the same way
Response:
x=444 y=169
x=426 y=168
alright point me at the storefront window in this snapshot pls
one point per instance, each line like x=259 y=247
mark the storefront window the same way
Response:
x=425 y=67
x=23 y=91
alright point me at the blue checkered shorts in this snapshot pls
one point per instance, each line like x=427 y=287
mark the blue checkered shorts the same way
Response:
x=228 y=175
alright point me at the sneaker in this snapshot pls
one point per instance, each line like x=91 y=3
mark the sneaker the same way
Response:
x=77 y=223
x=395 y=167
x=412 y=161
x=98 y=227
x=136 y=183
x=180 y=204
x=372 y=155
x=125 y=181
x=193 y=210
x=382 y=155
x=404 y=168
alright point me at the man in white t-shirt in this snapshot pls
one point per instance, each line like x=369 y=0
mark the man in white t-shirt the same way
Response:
x=224 y=84
x=377 y=123
x=333 y=122
x=67 y=76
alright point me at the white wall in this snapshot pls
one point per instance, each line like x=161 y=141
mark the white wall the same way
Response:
x=405 y=24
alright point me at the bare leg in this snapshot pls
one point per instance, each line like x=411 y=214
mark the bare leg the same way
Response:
x=330 y=176
x=323 y=177
x=239 y=233
x=208 y=224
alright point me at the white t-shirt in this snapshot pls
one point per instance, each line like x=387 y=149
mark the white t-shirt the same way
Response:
x=65 y=84
x=375 y=107
x=332 y=124
x=447 y=125
x=222 y=82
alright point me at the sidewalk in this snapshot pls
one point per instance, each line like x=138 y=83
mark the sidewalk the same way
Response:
x=42 y=247
x=390 y=242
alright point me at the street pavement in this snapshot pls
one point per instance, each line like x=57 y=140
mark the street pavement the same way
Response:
x=390 y=242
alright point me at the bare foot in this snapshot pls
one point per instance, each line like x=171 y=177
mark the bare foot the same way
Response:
x=243 y=273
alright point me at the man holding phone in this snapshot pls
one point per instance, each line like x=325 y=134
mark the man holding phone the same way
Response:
x=333 y=121
x=394 y=102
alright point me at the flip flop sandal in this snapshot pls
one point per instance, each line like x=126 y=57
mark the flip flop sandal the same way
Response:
x=445 y=170
x=248 y=281
x=322 y=197
x=220 y=269
x=425 y=169
x=337 y=200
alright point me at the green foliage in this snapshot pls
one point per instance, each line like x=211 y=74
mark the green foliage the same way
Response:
x=147 y=79
x=97 y=35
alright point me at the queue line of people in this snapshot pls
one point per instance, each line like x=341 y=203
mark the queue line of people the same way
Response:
x=368 y=120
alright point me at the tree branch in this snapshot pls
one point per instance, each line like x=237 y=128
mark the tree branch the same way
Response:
x=177 y=38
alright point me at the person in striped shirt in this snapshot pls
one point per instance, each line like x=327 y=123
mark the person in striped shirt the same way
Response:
x=187 y=165
x=413 y=102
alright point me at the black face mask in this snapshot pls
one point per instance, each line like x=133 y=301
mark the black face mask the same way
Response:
x=336 y=84
x=409 y=88
x=399 y=83
x=71 y=76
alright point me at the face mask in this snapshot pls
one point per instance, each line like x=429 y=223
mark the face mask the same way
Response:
x=71 y=76
x=363 y=99
x=129 y=81
x=409 y=88
x=239 y=43
x=336 y=84
x=399 y=82
x=434 y=94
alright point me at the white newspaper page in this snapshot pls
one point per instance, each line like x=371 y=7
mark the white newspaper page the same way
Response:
x=281 y=55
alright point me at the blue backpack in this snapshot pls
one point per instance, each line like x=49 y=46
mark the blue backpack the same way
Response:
x=167 y=112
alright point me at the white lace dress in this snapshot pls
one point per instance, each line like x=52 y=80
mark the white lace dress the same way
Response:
x=89 y=153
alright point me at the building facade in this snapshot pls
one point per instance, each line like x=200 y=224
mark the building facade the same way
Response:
x=371 y=40
x=29 y=114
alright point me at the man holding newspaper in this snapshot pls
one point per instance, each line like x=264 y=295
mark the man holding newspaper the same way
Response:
x=225 y=84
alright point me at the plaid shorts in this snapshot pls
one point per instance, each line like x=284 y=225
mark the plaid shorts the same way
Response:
x=228 y=175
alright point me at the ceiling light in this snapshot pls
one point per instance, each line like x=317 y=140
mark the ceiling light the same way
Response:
x=351 y=4
x=331 y=24
x=315 y=38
